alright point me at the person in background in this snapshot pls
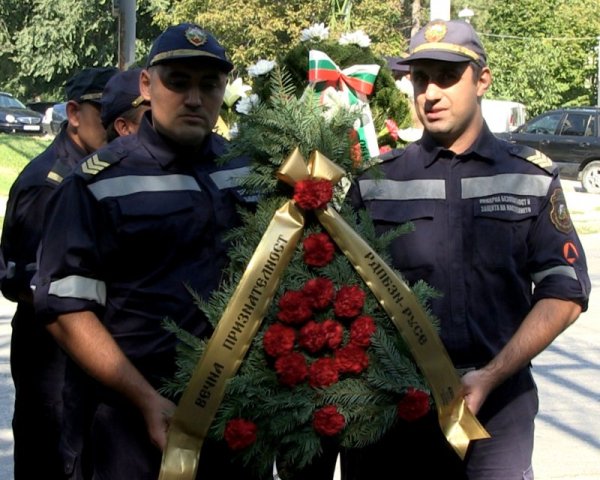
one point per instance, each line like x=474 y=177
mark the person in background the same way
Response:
x=493 y=235
x=122 y=105
x=37 y=363
x=137 y=226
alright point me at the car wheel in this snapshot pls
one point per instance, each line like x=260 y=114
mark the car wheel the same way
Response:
x=590 y=177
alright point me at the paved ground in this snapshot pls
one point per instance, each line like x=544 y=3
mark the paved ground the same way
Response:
x=567 y=373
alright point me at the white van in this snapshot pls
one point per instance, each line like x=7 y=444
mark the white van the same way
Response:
x=503 y=115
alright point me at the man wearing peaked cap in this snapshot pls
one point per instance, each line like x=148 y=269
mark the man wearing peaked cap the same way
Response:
x=488 y=236
x=84 y=92
x=448 y=41
x=37 y=362
x=139 y=225
x=122 y=106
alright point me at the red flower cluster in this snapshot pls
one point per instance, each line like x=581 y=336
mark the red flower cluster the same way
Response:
x=318 y=250
x=414 y=405
x=313 y=193
x=240 y=433
x=297 y=331
x=328 y=421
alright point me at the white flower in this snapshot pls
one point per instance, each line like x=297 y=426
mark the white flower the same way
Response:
x=234 y=91
x=405 y=86
x=359 y=37
x=246 y=104
x=318 y=31
x=333 y=101
x=261 y=67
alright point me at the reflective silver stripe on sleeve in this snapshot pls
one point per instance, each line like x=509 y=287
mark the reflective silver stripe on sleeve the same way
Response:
x=129 y=184
x=229 y=178
x=560 y=270
x=508 y=183
x=75 y=286
x=402 y=190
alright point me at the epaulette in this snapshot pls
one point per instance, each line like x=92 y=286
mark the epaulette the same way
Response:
x=58 y=172
x=97 y=162
x=533 y=156
x=384 y=157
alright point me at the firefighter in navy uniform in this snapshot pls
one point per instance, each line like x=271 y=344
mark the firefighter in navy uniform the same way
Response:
x=37 y=364
x=493 y=235
x=145 y=226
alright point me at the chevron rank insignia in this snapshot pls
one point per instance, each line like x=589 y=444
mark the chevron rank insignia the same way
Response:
x=534 y=156
x=93 y=165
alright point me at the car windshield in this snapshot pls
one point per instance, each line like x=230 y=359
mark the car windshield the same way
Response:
x=10 y=102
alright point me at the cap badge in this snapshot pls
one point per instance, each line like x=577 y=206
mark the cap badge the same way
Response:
x=195 y=36
x=436 y=32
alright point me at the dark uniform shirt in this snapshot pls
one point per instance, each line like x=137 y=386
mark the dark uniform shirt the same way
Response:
x=28 y=197
x=135 y=230
x=37 y=362
x=492 y=235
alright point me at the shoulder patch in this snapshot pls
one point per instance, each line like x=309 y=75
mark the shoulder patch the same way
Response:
x=97 y=162
x=533 y=156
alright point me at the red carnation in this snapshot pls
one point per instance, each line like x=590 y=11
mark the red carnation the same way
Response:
x=361 y=331
x=351 y=359
x=414 y=405
x=323 y=373
x=279 y=340
x=319 y=292
x=312 y=337
x=318 y=250
x=240 y=433
x=328 y=421
x=334 y=333
x=313 y=193
x=392 y=128
x=294 y=308
x=291 y=368
x=384 y=149
x=349 y=301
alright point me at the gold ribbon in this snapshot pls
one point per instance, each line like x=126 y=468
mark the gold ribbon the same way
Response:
x=241 y=320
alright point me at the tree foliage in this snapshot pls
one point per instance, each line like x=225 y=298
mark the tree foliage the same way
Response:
x=542 y=53
x=255 y=29
x=43 y=43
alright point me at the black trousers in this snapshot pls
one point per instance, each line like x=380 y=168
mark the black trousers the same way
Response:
x=37 y=366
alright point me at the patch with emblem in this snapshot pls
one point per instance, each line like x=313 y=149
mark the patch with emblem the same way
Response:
x=559 y=213
x=435 y=32
x=195 y=36
x=93 y=165
x=570 y=252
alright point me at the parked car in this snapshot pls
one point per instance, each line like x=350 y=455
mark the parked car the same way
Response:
x=54 y=118
x=16 y=117
x=570 y=137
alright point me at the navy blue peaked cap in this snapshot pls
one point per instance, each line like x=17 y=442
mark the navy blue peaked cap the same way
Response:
x=187 y=41
x=121 y=93
x=446 y=40
x=88 y=84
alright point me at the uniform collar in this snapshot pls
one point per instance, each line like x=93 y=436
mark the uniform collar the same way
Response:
x=166 y=153
x=484 y=148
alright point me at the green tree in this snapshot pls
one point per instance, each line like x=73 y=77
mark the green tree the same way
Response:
x=254 y=29
x=542 y=52
x=45 y=42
